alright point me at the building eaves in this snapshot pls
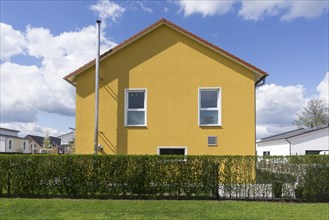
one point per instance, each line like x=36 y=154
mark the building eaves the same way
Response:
x=7 y=129
x=291 y=134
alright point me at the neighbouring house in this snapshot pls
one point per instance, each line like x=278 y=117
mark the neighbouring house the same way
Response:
x=67 y=142
x=297 y=142
x=36 y=143
x=10 y=142
x=167 y=91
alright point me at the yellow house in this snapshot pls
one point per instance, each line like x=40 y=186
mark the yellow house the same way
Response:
x=167 y=91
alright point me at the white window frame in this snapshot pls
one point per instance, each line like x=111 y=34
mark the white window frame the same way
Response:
x=219 y=105
x=172 y=147
x=139 y=109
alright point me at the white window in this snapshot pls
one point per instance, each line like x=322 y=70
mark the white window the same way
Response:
x=135 y=107
x=209 y=107
x=177 y=150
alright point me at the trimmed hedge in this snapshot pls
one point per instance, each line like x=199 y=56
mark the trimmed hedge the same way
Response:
x=199 y=177
x=107 y=176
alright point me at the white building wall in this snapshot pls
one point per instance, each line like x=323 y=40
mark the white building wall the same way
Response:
x=318 y=140
x=67 y=138
x=17 y=145
x=2 y=144
x=276 y=148
x=27 y=147
x=9 y=145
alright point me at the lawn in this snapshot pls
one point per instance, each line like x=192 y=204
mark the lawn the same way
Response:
x=157 y=209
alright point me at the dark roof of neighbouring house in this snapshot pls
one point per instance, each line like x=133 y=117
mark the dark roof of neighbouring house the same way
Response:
x=262 y=74
x=39 y=140
x=294 y=133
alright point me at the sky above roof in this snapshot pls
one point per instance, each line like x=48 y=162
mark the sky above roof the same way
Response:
x=42 y=41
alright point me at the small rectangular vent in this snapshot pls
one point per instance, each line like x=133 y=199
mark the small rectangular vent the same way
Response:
x=212 y=140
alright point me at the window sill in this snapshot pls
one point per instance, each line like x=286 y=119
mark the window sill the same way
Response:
x=210 y=125
x=136 y=126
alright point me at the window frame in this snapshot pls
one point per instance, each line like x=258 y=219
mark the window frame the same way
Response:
x=219 y=106
x=126 y=109
x=171 y=147
x=9 y=144
x=266 y=153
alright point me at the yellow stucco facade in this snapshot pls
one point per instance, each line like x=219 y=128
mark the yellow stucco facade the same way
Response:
x=171 y=67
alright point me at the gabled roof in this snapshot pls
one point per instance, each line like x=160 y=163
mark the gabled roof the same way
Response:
x=291 y=134
x=39 y=140
x=259 y=73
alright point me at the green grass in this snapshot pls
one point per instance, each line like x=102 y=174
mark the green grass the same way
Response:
x=157 y=209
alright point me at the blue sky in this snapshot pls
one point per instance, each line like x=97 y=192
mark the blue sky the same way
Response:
x=42 y=41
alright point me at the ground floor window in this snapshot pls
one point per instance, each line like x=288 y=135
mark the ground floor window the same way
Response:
x=266 y=153
x=307 y=152
x=172 y=151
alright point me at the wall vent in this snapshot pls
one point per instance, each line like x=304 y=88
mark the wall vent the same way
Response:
x=212 y=140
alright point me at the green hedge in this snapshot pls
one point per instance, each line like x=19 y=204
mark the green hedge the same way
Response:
x=107 y=176
x=103 y=176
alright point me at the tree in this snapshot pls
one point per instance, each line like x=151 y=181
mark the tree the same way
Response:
x=46 y=141
x=314 y=114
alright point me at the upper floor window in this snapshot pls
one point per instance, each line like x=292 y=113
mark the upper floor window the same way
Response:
x=209 y=107
x=135 y=107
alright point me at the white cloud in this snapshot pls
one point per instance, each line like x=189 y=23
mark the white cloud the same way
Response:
x=323 y=88
x=31 y=128
x=107 y=9
x=12 y=42
x=257 y=10
x=27 y=90
x=144 y=8
x=286 y=9
x=269 y=130
x=206 y=8
x=306 y=9
x=276 y=108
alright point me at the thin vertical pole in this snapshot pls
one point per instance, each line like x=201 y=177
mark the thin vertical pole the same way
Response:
x=97 y=87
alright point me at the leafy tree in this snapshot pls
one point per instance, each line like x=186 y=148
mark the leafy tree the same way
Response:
x=314 y=114
x=46 y=141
